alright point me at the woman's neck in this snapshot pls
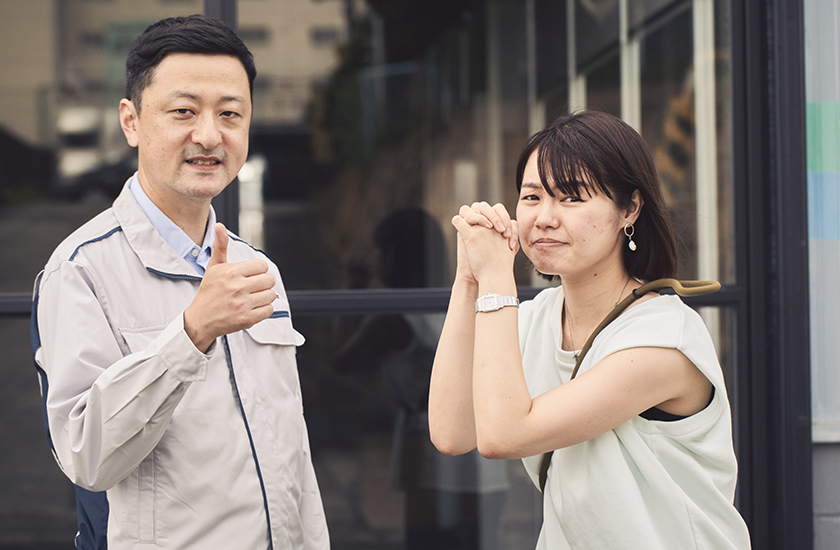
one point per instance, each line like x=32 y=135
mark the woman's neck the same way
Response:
x=588 y=299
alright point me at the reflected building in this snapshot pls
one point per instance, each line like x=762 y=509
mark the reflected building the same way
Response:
x=367 y=107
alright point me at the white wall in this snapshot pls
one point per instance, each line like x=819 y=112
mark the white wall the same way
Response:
x=822 y=92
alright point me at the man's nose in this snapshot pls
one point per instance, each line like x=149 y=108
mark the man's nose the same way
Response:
x=206 y=132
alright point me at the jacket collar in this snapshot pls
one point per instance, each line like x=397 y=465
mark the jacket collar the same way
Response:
x=154 y=252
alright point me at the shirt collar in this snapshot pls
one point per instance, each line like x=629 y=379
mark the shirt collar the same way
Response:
x=171 y=233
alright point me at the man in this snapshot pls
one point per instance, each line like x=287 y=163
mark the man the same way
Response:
x=165 y=346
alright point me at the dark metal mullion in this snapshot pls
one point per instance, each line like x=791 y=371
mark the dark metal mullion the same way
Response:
x=769 y=168
x=791 y=392
x=753 y=482
x=353 y=302
x=226 y=204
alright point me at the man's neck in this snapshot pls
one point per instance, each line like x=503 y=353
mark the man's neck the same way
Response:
x=189 y=214
x=193 y=221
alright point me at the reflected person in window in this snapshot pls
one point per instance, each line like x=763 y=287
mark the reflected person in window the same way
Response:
x=643 y=454
x=164 y=343
x=451 y=502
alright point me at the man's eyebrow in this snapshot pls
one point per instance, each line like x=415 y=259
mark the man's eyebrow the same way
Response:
x=178 y=94
x=234 y=98
x=181 y=94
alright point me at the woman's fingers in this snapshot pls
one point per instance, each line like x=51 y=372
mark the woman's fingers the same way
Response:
x=514 y=235
x=503 y=224
x=492 y=217
x=473 y=217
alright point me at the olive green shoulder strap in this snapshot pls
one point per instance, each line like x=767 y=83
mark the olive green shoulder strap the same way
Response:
x=683 y=288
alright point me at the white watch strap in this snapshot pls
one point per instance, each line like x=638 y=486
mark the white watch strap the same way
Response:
x=492 y=302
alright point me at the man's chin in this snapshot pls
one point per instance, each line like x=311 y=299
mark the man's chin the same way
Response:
x=206 y=187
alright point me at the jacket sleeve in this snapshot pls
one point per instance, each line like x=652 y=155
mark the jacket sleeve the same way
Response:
x=315 y=534
x=106 y=408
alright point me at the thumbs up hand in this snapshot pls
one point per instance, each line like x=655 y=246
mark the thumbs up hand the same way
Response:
x=220 y=244
x=232 y=296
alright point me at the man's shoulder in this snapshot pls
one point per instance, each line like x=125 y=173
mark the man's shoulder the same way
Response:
x=244 y=250
x=97 y=229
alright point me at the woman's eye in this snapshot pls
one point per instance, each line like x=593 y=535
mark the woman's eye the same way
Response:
x=571 y=199
x=530 y=198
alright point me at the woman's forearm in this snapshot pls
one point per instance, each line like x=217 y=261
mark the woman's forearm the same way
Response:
x=451 y=419
x=501 y=398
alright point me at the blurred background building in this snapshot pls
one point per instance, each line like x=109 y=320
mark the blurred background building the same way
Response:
x=363 y=108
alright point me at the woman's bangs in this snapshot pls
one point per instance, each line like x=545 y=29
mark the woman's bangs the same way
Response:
x=563 y=171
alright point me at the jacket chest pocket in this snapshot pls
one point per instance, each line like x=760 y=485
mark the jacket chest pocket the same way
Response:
x=269 y=348
x=277 y=330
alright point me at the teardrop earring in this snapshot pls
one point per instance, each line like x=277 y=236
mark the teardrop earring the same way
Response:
x=629 y=230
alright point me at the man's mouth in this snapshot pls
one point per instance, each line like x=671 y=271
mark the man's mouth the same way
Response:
x=202 y=162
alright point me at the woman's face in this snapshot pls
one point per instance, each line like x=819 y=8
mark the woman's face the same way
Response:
x=568 y=235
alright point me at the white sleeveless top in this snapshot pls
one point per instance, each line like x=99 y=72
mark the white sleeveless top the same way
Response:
x=646 y=484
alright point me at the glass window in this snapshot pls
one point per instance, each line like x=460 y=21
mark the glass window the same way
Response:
x=38 y=501
x=603 y=86
x=373 y=122
x=685 y=119
x=353 y=188
x=596 y=28
x=668 y=122
x=365 y=381
x=63 y=159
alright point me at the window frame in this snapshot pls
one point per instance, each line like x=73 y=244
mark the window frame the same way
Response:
x=772 y=417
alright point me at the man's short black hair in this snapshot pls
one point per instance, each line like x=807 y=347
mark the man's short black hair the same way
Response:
x=196 y=34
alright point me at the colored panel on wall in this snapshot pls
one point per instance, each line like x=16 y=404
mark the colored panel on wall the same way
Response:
x=824 y=206
x=823 y=123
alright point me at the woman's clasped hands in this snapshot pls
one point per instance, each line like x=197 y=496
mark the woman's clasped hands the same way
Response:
x=488 y=239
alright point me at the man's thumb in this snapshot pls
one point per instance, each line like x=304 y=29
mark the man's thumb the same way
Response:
x=220 y=244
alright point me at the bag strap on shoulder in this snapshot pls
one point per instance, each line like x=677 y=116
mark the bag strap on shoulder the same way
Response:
x=682 y=288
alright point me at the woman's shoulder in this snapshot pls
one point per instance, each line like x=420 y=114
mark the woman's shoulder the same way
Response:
x=662 y=317
x=540 y=305
x=663 y=321
x=543 y=298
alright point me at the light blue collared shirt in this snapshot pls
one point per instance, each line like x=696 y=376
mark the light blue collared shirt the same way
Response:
x=196 y=256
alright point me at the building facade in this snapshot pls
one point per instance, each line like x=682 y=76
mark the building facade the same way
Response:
x=371 y=113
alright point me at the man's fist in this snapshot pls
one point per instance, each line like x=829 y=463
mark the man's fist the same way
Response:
x=231 y=297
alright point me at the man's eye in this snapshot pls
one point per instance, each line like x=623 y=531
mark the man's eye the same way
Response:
x=182 y=111
x=229 y=114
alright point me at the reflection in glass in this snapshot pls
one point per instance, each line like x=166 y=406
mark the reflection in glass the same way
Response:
x=38 y=501
x=603 y=86
x=362 y=109
x=668 y=123
x=671 y=82
x=63 y=157
x=596 y=29
x=725 y=346
x=449 y=502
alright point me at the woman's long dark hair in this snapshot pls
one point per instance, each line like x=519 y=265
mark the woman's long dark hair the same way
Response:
x=596 y=147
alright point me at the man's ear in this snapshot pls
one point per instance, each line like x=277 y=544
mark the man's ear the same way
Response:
x=631 y=213
x=128 y=121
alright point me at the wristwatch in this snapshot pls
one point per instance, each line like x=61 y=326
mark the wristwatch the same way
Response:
x=492 y=302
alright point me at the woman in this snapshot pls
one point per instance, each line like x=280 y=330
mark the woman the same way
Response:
x=644 y=455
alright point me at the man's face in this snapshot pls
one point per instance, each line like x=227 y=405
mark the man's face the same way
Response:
x=192 y=130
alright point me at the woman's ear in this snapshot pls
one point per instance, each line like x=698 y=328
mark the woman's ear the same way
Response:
x=634 y=208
